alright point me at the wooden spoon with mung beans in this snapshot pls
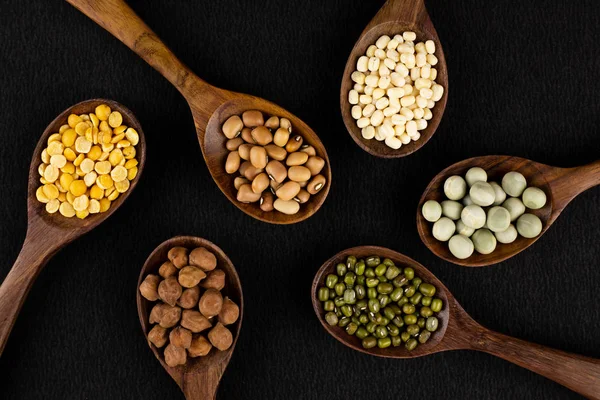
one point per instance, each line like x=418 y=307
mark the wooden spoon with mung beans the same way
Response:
x=210 y=106
x=458 y=331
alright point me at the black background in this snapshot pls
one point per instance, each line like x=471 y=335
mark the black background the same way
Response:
x=523 y=81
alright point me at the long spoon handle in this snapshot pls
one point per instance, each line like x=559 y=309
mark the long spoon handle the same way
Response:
x=14 y=289
x=578 y=373
x=123 y=23
x=203 y=384
x=568 y=183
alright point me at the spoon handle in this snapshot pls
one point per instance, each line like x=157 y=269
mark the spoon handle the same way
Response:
x=123 y=23
x=412 y=11
x=578 y=373
x=568 y=183
x=203 y=384
x=32 y=258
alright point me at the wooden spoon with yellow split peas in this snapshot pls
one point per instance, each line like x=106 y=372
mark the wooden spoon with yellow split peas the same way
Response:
x=60 y=157
x=88 y=163
x=276 y=168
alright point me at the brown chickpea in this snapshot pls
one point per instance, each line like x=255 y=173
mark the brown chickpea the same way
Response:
x=214 y=280
x=157 y=313
x=210 y=303
x=220 y=337
x=178 y=256
x=203 y=259
x=180 y=337
x=200 y=346
x=194 y=321
x=167 y=269
x=175 y=356
x=190 y=276
x=230 y=312
x=170 y=316
x=149 y=287
x=169 y=290
x=189 y=298
x=158 y=336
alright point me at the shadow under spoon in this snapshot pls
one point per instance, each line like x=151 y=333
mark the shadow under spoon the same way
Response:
x=458 y=331
x=210 y=106
x=199 y=378
x=48 y=233
x=561 y=185
x=395 y=17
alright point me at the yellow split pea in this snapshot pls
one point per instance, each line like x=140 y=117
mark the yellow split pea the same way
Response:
x=87 y=164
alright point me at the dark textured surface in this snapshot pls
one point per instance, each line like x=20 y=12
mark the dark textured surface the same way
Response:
x=523 y=81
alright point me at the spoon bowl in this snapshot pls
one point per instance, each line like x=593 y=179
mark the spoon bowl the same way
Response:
x=560 y=185
x=199 y=378
x=458 y=331
x=395 y=17
x=210 y=106
x=48 y=233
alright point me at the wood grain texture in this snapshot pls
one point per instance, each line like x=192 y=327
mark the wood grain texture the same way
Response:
x=199 y=378
x=395 y=17
x=561 y=185
x=458 y=331
x=48 y=233
x=210 y=106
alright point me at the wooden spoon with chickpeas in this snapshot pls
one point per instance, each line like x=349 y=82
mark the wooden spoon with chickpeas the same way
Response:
x=47 y=230
x=211 y=107
x=192 y=293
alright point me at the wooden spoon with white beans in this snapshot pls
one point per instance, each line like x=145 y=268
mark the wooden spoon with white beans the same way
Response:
x=561 y=185
x=210 y=106
x=395 y=17
x=48 y=233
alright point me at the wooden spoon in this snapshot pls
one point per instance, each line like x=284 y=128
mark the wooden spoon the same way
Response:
x=561 y=185
x=199 y=378
x=210 y=106
x=395 y=17
x=458 y=331
x=48 y=233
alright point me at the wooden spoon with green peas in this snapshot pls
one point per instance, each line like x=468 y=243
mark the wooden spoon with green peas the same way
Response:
x=395 y=17
x=48 y=233
x=561 y=185
x=199 y=378
x=210 y=106
x=458 y=331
